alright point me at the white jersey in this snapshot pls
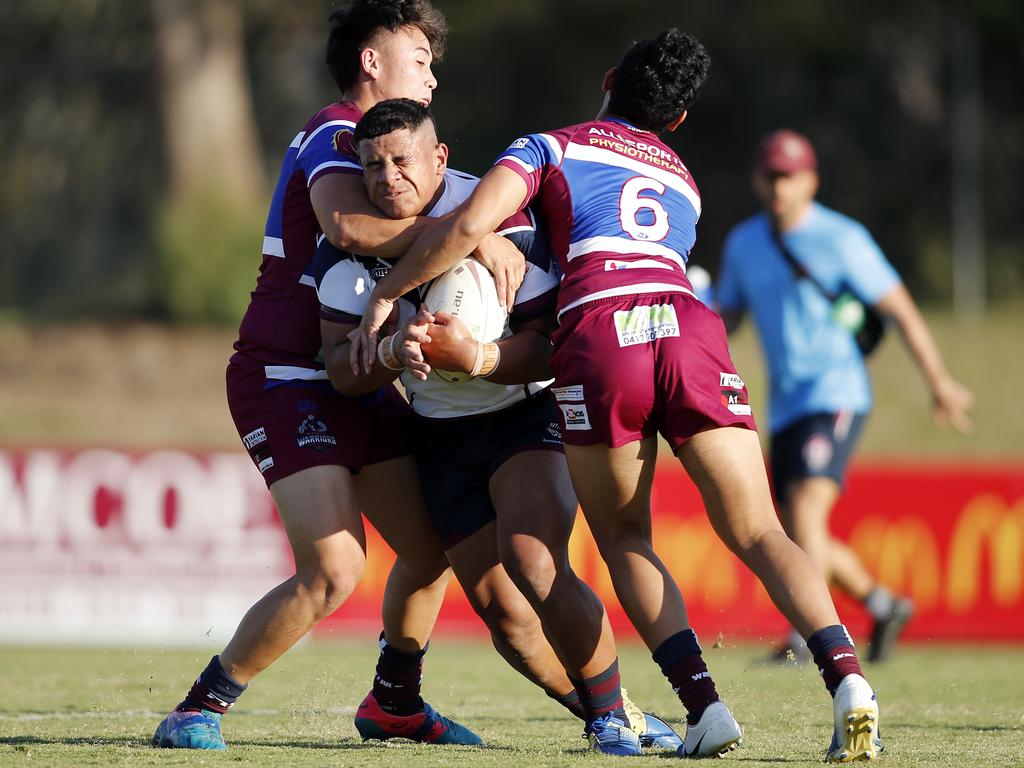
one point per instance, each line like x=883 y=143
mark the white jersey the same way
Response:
x=344 y=283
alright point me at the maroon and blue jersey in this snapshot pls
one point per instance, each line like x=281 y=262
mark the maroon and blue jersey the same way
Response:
x=619 y=206
x=281 y=328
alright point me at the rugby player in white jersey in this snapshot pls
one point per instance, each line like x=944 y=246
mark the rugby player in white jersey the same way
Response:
x=489 y=450
x=636 y=354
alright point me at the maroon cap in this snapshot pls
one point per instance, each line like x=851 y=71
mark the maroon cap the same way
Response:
x=785 y=151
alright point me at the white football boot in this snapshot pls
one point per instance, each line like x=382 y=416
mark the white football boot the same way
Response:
x=716 y=733
x=855 y=737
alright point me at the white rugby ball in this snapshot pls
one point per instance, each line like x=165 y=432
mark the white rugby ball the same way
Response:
x=467 y=291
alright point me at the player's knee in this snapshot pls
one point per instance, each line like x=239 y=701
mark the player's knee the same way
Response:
x=511 y=618
x=531 y=566
x=329 y=586
x=621 y=537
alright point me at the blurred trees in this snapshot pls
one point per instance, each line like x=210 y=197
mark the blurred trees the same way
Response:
x=138 y=142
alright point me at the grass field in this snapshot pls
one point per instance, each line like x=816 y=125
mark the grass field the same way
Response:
x=941 y=706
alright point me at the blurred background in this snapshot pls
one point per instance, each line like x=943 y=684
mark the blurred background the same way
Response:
x=139 y=142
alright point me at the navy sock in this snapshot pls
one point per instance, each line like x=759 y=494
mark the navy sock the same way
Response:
x=681 y=662
x=833 y=652
x=571 y=701
x=214 y=690
x=601 y=693
x=396 y=686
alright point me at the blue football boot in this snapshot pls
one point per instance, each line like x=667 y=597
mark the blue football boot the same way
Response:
x=609 y=735
x=654 y=732
x=189 y=729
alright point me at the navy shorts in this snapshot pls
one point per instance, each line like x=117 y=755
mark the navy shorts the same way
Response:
x=457 y=458
x=818 y=445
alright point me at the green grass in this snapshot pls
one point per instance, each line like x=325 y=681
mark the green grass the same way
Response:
x=941 y=706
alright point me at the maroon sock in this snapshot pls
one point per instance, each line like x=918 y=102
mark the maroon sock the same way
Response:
x=834 y=654
x=680 y=661
x=601 y=693
x=571 y=701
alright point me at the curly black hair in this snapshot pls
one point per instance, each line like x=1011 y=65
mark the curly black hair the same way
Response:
x=353 y=26
x=392 y=115
x=659 y=78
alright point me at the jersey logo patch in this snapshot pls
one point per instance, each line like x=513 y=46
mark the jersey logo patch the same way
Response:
x=342 y=141
x=575 y=416
x=568 y=393
x=644 y=324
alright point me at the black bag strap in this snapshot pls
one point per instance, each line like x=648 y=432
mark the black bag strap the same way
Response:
x=799 y=269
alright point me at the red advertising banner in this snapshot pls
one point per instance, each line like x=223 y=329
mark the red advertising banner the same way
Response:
x=172 y=547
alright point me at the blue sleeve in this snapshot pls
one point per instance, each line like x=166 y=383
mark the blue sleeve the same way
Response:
x=728 y=291
x=328 y=149
x=867 y=272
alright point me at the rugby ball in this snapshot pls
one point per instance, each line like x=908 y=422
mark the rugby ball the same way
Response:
x=467 y=291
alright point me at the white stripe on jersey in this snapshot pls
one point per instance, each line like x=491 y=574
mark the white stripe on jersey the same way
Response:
x=607 y=157
x=555 y=147
x=328 y=124
x=625 y=290
x=273 y=246
x=521 y=163
x=307 y=280
x=331 y=164
x=625 y=246
x=291 y=372
x=297 y=140
x=510 y=230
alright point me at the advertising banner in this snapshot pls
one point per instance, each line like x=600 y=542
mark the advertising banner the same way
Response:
x=171 y=547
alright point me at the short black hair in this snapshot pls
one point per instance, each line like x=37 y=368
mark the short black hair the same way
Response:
x=353 y=26
x=658 y=79
x=392 y=115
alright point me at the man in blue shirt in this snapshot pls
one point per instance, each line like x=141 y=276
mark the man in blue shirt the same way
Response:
x=820 y=393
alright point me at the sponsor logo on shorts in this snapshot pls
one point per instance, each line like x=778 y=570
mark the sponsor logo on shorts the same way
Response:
x=611 y=265
x=555 y=433
x=520 y=143
x=313 y=432
x=563 y=394
x=731 y=380
x=254 y=438
x=575 y=416
x=641 y=325
x=734 y=393
x=265 y=464
x=817 y=452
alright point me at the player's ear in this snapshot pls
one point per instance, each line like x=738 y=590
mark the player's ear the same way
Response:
x=441 y=154
x=369 y=62
x=609 y=80
x=677 y=122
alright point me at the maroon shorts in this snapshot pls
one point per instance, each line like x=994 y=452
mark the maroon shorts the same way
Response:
x=627 y=367
x=296 y=425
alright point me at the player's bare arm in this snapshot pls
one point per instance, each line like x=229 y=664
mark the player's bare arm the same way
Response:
x=335 y=347
x=352 y=223
x=498 y=195
x=951 y=400
x=521 y=358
